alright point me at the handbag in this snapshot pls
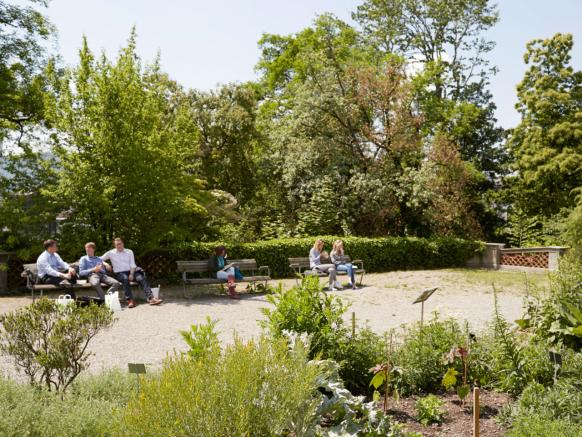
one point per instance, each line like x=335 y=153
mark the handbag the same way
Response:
x=65 y=300
x=112 y=301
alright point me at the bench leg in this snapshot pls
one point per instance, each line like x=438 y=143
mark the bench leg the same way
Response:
x=362 y=278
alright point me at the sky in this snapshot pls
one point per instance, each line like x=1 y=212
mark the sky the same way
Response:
x=204 y=43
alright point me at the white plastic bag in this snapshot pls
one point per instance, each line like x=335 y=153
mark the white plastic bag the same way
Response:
x=65 y=300
x=112 y=301
x=156 y=292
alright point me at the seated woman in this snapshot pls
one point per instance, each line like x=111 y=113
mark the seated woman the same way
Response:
x=217 y=264
x=339 y=259
x=316 y=263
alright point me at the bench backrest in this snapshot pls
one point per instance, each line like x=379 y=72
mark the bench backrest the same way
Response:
x=31 y=268
x=202 y=266
x=303 y=262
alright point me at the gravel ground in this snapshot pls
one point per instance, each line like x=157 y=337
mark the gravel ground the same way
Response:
x=147 y=334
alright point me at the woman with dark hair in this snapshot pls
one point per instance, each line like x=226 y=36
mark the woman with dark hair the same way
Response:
x=217 y=264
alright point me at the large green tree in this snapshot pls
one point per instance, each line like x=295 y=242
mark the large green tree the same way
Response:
x=547 y=143
x=124 y=137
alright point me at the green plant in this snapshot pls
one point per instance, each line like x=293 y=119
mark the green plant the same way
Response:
x=558 y=315
x=307 y=309
x=201 y=338
x=48 y=342
x=356 y=355
x=420 y=356
x=256 y=388
x=450 y=378
x=88 y=408
x=430 y=410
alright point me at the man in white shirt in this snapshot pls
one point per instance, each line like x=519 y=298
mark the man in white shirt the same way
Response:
x=126 y=271
x=53 y=270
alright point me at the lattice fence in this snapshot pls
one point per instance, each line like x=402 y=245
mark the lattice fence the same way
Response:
x=539 y=260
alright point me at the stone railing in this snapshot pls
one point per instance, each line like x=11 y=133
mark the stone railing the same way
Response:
x=496 y=256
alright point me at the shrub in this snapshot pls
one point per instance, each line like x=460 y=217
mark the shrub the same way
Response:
x=254 y=388
x=356 y=356
x=420 y=357
x=87 y=409
x=201 y=338
x=379 y=254
x=539 y=426
x=558 y=316
x=49 y=342
x=307 y=309
x=430 y=410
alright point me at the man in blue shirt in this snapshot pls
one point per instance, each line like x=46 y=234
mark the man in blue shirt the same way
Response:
x=53 y=270
x=95 y=270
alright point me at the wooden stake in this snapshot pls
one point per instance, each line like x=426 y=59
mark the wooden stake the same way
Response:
x=476 y=412
x=353 y=324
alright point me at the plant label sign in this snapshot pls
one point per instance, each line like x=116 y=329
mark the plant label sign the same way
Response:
x=426 y=293
x=137 y=368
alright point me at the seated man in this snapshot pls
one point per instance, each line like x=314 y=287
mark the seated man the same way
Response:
x=126 y=271
x=94 y=269
x=51 y=268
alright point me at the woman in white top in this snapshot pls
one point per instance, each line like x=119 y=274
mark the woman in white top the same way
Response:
x=339 y=259
x=316 y=264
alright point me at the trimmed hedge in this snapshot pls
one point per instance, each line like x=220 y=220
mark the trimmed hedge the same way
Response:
x=378 y=254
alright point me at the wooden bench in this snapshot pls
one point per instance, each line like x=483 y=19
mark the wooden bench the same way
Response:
x=201 y=269
x=30 y=272
x=301 y=267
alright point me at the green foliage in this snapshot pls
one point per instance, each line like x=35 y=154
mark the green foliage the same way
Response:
x=258 y=388
x=48 y=342
x=307 y=309
x=379 y=254
x=420 y=356
x=87 y=409
x=356 y=356
x=540 y=426
x=546 y=143
x=557 y=316
x=522 y=229
x=430 y=410
x=201 y=339
x=124 y=136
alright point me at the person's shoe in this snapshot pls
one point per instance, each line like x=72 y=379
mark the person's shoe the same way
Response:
x=154 y=301
x=354 y=286
x=232 y=293
x=338 y=285
x=130 y=303
x=65 y=283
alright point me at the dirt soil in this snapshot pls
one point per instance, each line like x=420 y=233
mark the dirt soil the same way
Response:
x=458 y=420
x=147 y=334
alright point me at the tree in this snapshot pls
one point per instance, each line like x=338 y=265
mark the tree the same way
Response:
x=124 y=137
x=445 y=35
x=547 y=144
x=22 y=30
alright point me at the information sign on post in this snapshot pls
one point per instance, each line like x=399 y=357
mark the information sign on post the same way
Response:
x=423 y=297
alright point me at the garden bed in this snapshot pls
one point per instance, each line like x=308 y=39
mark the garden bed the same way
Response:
x=458 y=419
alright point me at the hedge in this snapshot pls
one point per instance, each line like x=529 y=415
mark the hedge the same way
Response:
x=378 y=254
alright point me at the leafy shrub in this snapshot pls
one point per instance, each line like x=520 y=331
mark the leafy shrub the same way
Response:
x=558 y=315
x=49 y=342
x=430 y=410
x=87 y=409
x=539 y=426
x=201 y=338
x=306 y=309
x=379 y=254
x=356 y=356
x=514 y=358
x=254 y=388
x=420 y=357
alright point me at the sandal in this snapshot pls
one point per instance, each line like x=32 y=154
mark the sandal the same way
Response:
x=154 y=301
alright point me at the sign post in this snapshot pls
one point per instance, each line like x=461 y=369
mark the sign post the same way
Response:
x=138 y=369
x=424 y=295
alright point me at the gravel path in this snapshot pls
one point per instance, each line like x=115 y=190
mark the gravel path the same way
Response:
x=147 y=334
